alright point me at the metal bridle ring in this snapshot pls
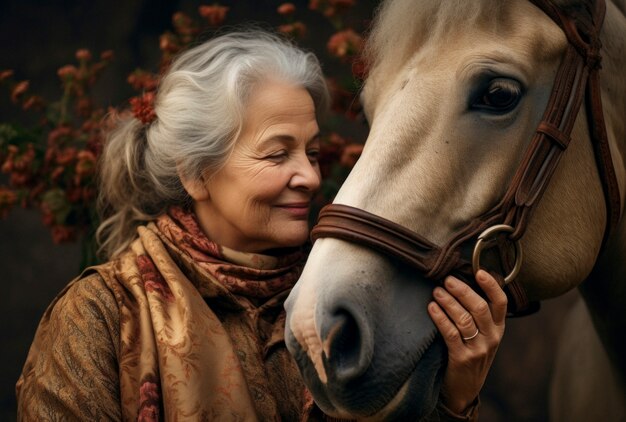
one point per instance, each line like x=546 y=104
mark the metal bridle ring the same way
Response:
x=480 y=245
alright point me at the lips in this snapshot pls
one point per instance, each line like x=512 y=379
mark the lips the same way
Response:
x=296 y=208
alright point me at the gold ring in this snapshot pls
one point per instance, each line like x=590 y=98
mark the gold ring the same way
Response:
x=472 y=336
x=480 y=245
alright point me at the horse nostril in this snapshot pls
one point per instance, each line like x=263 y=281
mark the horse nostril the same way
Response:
x=348 y=347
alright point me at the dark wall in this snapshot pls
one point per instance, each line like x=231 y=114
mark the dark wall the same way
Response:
x=38 y=37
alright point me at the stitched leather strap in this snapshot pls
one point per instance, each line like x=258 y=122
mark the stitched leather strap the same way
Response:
x=577 y=75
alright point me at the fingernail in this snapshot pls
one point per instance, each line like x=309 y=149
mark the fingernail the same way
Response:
x=433 y=307
x=481 y=275
x=438 y=292
x=451 y=282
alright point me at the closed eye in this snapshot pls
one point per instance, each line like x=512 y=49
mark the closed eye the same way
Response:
x=277 y=156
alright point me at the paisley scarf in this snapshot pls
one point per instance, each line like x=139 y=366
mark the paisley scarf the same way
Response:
x=176 y=328
x=201 y=332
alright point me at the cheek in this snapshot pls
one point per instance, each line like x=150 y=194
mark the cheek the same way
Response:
x=268 y=187
x=258 y=204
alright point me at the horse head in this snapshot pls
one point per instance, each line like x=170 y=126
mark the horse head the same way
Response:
x=455 y=93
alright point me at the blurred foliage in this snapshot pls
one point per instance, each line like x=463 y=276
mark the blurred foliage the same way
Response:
x=51 y=164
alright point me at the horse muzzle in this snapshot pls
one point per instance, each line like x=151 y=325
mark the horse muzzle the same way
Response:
x=363 y=339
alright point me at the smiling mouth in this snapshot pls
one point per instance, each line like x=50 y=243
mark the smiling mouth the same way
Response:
x=297 y=209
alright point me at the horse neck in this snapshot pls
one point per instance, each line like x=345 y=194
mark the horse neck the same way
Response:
x=605 y=289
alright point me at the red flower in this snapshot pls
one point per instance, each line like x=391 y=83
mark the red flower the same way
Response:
x=107 y=55
x=67 y=72
x=5 y=74
x=59 y=135
x=83 y=55
x=141 y=80
x=345 y=44
x=168 y=43
x=34 y=102
x=215 y=15
x=296 y=29
x=18 y=91
x=7 y=201
x=143 y=107
x=56 y=173
x=286 y=9
x=184 y=24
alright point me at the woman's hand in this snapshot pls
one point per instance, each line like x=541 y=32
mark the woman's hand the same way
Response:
x=472 y=329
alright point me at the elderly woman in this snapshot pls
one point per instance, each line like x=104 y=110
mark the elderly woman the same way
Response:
x=205 y=220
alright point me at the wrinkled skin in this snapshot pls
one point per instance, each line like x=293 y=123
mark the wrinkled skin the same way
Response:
x=452 y=107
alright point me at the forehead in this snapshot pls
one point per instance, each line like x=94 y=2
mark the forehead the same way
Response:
x=278 y=100
x=278 y=110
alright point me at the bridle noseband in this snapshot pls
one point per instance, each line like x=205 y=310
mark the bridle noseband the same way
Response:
x=577 y=78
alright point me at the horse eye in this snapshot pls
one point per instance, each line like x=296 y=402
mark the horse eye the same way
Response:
x=500 y=95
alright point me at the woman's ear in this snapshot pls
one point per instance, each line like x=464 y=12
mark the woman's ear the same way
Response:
x=196 y=188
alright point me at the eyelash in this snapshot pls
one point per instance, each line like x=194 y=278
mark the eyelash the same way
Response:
x=313 y=155
x=277 y=155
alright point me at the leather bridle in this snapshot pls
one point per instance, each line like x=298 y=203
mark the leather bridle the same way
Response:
x=577 y=78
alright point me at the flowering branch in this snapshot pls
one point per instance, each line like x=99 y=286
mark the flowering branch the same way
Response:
x=51 y=165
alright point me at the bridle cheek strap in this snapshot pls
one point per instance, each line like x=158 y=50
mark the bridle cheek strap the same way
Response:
x=577 y=78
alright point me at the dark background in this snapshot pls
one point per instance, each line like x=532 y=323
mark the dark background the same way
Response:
x=38 y=37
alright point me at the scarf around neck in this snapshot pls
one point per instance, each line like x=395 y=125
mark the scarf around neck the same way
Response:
x=202 y=328
x=245 y=274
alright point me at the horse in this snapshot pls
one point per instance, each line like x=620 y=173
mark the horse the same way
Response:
x=456 y=93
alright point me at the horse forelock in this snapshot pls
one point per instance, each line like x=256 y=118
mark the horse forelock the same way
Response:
x=403 y=29
x=405 y=24
x=466 y=33
x=430 y=163
x=444 y=35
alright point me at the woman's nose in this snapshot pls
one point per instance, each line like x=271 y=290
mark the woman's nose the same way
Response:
x=306 y=175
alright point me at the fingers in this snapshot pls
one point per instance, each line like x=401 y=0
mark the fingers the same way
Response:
x=456 y=311
x=461 y=319
x=495 y=294
x=448 y=330
x=467 y=310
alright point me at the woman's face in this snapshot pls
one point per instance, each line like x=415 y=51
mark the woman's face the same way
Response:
x=260 y=199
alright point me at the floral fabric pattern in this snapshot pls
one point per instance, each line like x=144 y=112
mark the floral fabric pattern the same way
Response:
x=190 y=340
x=176 y=328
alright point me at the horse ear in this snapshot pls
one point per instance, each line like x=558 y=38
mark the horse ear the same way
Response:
x=196 y=188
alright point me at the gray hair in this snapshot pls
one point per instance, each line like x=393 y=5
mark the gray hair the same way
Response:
x=200 y=108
